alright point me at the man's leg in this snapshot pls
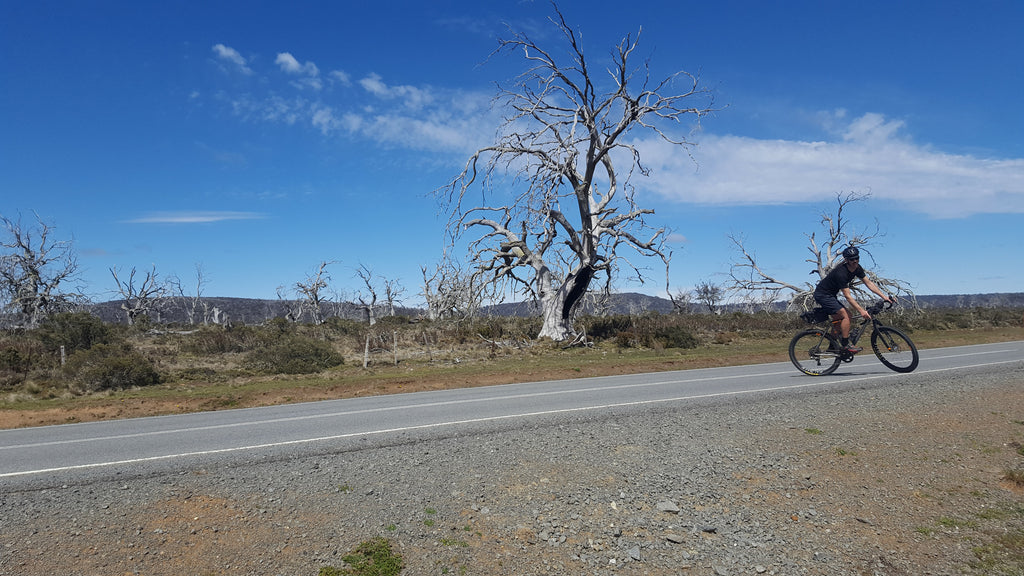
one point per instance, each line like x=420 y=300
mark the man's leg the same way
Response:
x=844 y=331
x=844 y=324
x=838 y=313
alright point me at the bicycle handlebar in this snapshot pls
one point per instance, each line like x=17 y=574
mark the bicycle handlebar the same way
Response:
x=879 y=306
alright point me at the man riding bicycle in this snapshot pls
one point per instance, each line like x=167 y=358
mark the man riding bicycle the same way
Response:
x=839 y=280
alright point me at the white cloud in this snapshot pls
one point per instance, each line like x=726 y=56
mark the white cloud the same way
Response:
x=271 y=109
x=411 y=96
x=341 y=77
x=327 y=121
x=420 y=118
x=870 y=156
x=289 y=64
x=194 y=217
x=231 y=55
x=309 y=73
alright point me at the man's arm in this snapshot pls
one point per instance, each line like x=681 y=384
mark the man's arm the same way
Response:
x=849 y=298
x=874 y=288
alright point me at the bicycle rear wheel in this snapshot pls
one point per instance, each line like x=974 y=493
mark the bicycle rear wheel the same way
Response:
x=894 y=349
x=809 y=351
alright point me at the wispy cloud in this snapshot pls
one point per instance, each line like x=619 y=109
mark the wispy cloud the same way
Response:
x=232 y=56
x=411 y=96
x=868 y=154
x=414 y=117
x=197 y=217
x=341 y=77
x=309 y=73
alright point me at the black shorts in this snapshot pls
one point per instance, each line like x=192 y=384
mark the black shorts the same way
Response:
x=829 y=302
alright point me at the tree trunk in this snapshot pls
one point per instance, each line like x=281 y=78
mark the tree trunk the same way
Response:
x=559 y=306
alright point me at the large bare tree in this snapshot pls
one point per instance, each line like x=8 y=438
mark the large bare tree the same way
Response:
x=34 y=270
x=140 y=293
x=558 y=178
x=748 y=276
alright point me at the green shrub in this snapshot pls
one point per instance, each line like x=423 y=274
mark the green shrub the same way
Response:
x=499 y=328
x=607 y=327
x=371 y=558
x=74 y=331
x=392 y=321
x=676 y=337
x=293 y=355
x=11 y=359
x=627 y=340
x=344 y=327
x=109 y=367
x=20 y=356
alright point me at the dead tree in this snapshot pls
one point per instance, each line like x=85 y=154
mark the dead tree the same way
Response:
x=139 y=296
x=560 y=172
x=292 y=309
x=367 y=299
x=710 y=295
x=680 y=300
x=748 y=277
x=34 y=269
x=450 y=293
x=312 y=292
x=393 y=291
x=190 y=303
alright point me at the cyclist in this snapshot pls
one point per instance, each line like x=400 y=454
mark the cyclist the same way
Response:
x=839 y=280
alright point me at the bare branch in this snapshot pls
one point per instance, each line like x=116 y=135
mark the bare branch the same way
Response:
x=312 y=291
x=140 y=295
x=571 y=208
x=748 y=276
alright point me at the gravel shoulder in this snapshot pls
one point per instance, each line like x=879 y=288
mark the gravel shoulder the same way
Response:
x=892 y=478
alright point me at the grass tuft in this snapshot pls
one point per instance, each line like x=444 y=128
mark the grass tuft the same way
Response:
x=371 y=558
x=1015 y=477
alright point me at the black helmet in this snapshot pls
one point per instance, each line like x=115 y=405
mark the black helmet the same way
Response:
x=851 y=253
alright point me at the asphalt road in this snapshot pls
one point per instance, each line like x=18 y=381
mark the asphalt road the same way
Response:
x=61 y=455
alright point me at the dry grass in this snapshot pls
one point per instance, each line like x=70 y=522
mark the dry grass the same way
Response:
x=199 y=382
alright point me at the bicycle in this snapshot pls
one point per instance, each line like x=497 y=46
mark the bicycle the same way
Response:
x=817 y=351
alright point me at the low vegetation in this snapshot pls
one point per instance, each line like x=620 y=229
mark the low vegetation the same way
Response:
x=371 y=558
x=74 y=357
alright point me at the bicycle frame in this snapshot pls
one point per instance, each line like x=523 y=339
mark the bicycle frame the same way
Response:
x=857 y=331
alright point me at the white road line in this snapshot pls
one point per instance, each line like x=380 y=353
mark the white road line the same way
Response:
x=969 y=354
x=423 y=405
x=403 y=407
x=817 y=382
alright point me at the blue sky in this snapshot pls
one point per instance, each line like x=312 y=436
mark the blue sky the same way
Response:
x=259 y=139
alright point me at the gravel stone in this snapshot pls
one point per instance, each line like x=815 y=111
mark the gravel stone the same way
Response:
x=724 y=487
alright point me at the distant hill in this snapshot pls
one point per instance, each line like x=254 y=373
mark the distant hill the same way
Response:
x=999 y=300
x=629 y=303
x=257 y=311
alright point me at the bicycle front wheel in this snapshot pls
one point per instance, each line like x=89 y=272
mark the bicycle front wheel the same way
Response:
x=810 y=352
x=894 y=349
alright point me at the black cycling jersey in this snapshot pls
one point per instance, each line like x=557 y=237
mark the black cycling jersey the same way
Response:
x=839 y=278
